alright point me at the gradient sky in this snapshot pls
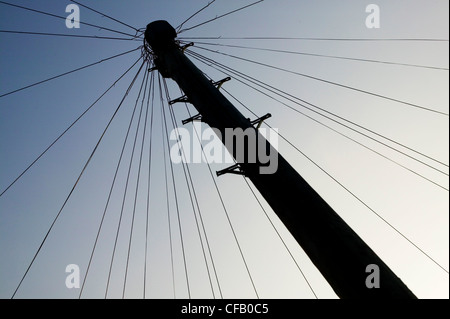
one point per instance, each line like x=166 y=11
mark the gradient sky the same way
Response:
x=31 y=119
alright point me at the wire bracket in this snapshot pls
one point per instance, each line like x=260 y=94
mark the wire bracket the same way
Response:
x=260 y=120
x=219 y=84
x=184 y=47
x=184 y=99
x=235 y=169
x=197 y=117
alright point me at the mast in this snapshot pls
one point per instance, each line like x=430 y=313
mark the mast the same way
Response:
x=335 y=249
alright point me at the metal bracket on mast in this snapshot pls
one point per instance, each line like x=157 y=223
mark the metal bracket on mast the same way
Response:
x=184 y=99
x=260 y=120
x=197 y=117
x=235 y=169
x=219 y=84
x=184 y=47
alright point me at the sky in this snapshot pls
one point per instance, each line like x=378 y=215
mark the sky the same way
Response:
x=406 y=204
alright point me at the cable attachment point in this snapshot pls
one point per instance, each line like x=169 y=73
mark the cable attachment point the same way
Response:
x=197 y=117
x=218 y=84
x=260 y=120
x=184 y=47
x=184 y=99
x=235 y=169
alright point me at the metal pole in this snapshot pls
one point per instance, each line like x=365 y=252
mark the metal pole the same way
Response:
x=335 y=249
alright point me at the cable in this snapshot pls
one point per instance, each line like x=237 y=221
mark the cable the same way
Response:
x=221 y=16
x=69 y=72
x=175 y=194
x=254 y=81
x=146 y=77
x=193 y=196
x=201 y=218
x=68 y=35
x=329 y=82
x=167 y=195
x=181 y=25
x=64 y=18
x=152 y=93
x=108 y=200
x=125 y=193
x=105 y=15
x=323 y=56
x=312 y=39
x=228 y=217
x=76 y=182
x=70 y=126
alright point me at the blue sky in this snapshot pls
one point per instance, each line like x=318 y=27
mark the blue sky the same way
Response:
x=31 y=119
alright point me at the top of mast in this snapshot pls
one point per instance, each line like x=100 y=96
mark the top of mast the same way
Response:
x=160 y=35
